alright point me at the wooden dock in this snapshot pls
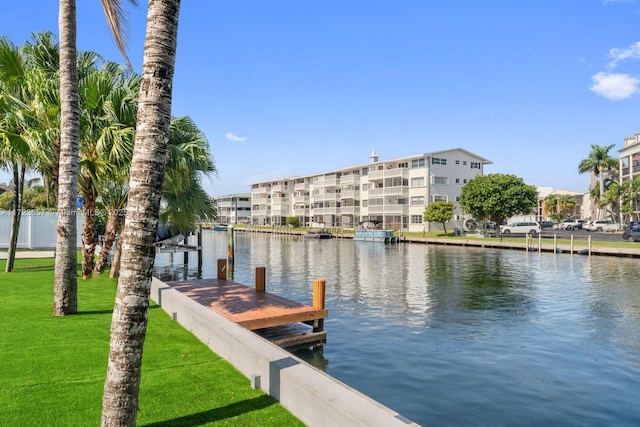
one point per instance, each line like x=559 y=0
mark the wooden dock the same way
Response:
x=260 y=311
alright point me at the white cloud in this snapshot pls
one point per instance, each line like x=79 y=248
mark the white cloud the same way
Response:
x=617 y=54
x=231 y=137
x=614 y=86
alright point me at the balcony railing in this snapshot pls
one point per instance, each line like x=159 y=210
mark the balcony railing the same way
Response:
x=354 y=194
x=261 y=190
x=301 y=186
x=389 y=209
x=389 y=191
x=389 y=173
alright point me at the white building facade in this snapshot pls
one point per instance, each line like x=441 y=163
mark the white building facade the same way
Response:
x=630 y=165
x=234 y=208
x=393 y=192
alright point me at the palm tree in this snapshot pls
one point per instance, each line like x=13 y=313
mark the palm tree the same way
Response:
x=129 y=323
x=108 y=114
x=65 y=282
x=184 y=201
x=15 y=119
x=65 y=288
x=598 y=162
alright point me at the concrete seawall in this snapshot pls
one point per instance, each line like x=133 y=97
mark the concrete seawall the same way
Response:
x=314 y=397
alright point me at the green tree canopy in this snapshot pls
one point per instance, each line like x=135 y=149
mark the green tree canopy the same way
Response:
x=497 y=197
x=439 y=212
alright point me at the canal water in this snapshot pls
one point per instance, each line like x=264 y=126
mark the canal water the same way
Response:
x=454 y=336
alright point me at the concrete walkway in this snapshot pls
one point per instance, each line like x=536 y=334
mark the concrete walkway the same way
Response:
x=30 y=254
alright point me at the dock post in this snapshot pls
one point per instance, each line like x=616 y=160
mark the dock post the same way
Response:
x=199 y=248
x=318 y=302
x=222 y=269
x=230 y=254
x=589 y=244
x=260 y=279
x=185 y=254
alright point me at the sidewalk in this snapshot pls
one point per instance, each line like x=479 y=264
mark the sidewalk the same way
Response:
x=29 y=254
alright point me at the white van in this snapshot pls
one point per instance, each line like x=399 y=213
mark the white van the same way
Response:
x=522 y=227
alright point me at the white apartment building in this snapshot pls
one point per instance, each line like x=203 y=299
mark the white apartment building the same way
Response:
x=234 y=208
x=630 y=164
x=394 y=192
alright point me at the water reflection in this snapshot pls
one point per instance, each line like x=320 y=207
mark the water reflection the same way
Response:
x=461 y=336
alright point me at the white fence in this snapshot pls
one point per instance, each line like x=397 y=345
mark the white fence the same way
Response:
x=37 y=230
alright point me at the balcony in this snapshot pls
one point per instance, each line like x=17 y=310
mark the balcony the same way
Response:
x=279 y=188
x=349 y=210
x=301 y=186
x=389 y=209
x=389 y=173
x=354 y=194
x=350 y=179
x=300 y=199
x=261 y=190
x=326 y=196
x=323 y=211
x=260 y=212
x=389 y=191
x=301 y=212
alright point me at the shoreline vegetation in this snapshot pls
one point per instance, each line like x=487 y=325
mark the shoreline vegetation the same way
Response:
x=53 y=368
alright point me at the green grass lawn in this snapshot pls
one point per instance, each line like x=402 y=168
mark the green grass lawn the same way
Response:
x=52 y=369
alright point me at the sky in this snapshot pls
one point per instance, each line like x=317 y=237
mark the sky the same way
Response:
x=284 y=88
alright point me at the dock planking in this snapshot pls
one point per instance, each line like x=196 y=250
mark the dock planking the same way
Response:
x=246 y=306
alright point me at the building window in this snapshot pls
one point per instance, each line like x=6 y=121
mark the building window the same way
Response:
x=440 y=180
x=464 y=162
x=439 y=199
x=416 y=219
x=438 y=161
x=417 y=163
x=464 y=181
x=417 y=182
x=417 y=201
x=475 y=165
x=457 y=162
x=457 y=180
x=403 y=165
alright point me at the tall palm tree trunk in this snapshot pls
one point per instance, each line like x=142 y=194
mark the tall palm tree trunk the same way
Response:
x=129 y=323
x=89 y=197
x=18 y=179
x=65 y=288
x=114 y=224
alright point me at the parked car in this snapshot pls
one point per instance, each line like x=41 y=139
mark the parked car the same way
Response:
x=572 y=224
x=524 y=227
x=602 y=225
x=632 y=234
x=546 y=224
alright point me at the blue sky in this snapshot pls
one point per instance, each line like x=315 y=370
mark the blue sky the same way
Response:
x=294 y=87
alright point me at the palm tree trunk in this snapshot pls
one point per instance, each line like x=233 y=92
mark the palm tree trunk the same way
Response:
x=89 y=211
x=129 y=323
x=114 y=224
x=65 y=288
x=115 y=264
x=18 y=179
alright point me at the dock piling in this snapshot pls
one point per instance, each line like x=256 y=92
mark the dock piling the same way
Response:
x=318 y=302
x=260 y=279
x=222 y=269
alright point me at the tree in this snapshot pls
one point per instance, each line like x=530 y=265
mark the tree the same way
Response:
x=65 y=288
x=439 y=212
x=559 y=206
x=597 y=163
x=497 y=197
x=293 y=221
x=65 y=299
x=16 y=118
x=129 y=323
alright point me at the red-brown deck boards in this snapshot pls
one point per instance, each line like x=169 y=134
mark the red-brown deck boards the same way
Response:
x=246 y=307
